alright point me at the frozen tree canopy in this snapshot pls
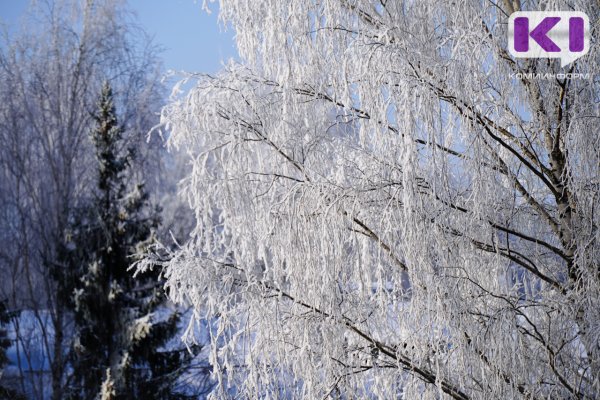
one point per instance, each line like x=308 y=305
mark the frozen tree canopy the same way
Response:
x=388 y=204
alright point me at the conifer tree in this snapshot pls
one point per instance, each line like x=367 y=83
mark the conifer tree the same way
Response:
x=4 y=342
x=5 y=315
x=122 y=323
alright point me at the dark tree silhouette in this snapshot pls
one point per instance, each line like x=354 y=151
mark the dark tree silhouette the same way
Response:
x=122 y=323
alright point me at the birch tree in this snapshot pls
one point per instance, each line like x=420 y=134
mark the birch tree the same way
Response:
x=390 y=205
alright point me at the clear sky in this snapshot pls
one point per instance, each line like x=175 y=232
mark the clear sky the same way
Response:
x=192 y=39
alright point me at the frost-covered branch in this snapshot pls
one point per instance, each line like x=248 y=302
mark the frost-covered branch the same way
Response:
x=396 y=198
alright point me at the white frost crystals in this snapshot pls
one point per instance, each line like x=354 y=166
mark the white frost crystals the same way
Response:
x=383 y=212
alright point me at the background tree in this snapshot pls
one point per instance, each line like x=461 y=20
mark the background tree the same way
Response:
x=417 y=219
x=6 y=392
x=50 y=74
x=122 y=323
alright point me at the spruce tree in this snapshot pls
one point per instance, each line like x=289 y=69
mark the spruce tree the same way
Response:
x=5 y=315
x=122 y=323
x=4 y=345
x=4 y=341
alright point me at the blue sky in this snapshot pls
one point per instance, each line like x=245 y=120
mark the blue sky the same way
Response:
x=192 y=39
